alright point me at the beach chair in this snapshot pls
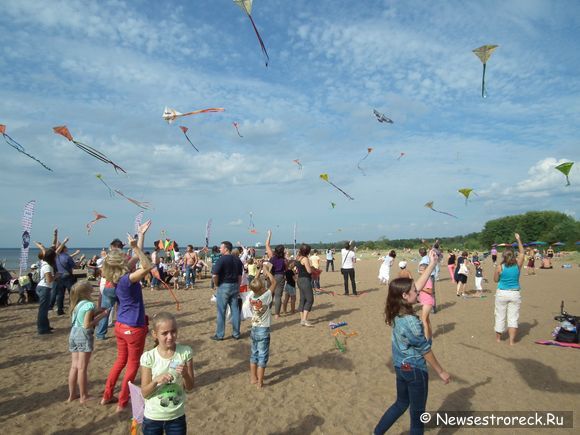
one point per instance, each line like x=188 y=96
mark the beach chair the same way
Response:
x=137 y=408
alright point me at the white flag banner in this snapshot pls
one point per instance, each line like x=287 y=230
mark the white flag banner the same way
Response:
x=26 y=227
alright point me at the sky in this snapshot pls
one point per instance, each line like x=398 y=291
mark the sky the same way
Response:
x=108 y=69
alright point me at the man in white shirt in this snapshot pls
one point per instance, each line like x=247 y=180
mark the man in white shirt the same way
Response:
x=347 y=267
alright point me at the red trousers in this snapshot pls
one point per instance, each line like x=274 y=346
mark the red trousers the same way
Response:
x=130 y=345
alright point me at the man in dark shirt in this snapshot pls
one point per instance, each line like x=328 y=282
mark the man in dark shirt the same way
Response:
x=65 y=279
x=227 y=276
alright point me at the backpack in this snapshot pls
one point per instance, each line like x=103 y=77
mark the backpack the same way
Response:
x=567 y=331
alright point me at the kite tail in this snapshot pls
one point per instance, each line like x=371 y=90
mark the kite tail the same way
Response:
x=98 y=155
x=20 y=149
x=448 y=214
x=13 y=143
x=342 y=191
x=191 y=143
x=260 y=41
x=483 y=92
x=361 y=169
x=111 y=194
x=567 y=181
x=339 y=345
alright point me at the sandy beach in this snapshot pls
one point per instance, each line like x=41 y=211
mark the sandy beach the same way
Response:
x=310 y=387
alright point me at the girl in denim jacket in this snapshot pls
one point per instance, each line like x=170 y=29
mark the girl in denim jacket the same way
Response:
x=411 y=351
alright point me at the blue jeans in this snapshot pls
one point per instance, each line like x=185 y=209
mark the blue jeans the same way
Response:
x=108 y=300
x=227 y=295
x=177 y=426
x=412 y=389
x=63 y=283
x=42 y=323
x=189 y=275
x=260 y=346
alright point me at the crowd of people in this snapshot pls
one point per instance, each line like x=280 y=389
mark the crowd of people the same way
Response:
x=257 y=288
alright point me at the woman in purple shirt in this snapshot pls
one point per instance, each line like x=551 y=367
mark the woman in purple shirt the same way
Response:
x=279 y=266
x=131 y=325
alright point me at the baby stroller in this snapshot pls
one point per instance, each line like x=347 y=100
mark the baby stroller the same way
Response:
x=567 y=331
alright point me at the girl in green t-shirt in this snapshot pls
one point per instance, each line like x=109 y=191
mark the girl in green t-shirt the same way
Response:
x=166 y=373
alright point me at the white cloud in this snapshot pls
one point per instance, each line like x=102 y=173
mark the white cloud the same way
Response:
x=544 y=180
x=235 y=223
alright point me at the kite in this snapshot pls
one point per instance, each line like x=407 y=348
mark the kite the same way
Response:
x=236 y=125
x=63 y=131
x=298 y=163
x=137 y=408
x=369 y=151
x=246 y=6
x=340 y=336
x=141 y=204
x=26 y=227
x=381 y=117
x=19 y=147
x=401 y=156
x=430 y=205
x=564 y=168
x=184 y=130
x=333 y=204
x=171 y=115
x=138 y=220
x=466 y=192
x=90 y=225
x=484 y=53
x=325 y=178
x=100 y=177
x=252 y=226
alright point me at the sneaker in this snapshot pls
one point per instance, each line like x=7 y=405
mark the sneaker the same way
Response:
x=216 y=338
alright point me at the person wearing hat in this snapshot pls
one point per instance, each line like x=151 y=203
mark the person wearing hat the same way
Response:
x=404 y=272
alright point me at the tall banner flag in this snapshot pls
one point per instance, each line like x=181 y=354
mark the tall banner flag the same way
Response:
x=26 y=227
x=294 y=240
x=138 y=220
x=207 y=233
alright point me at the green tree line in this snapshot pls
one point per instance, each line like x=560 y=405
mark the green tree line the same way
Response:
x=545 y=226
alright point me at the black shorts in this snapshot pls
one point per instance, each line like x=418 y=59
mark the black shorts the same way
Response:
x=462 y=278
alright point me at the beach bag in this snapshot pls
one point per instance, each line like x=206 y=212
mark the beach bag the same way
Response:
x=463 y=269
x=246 y=307
x=567 y=331
x=565 y=336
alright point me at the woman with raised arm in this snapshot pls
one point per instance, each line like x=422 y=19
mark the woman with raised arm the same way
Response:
x=131 y=325
x=508 y=297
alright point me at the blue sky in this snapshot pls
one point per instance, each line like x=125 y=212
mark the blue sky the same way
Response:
x=107 y=70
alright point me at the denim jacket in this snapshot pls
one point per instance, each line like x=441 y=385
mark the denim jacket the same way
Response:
x=409 y=342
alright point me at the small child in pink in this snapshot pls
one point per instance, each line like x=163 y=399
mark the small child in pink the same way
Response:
x=427 y=299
